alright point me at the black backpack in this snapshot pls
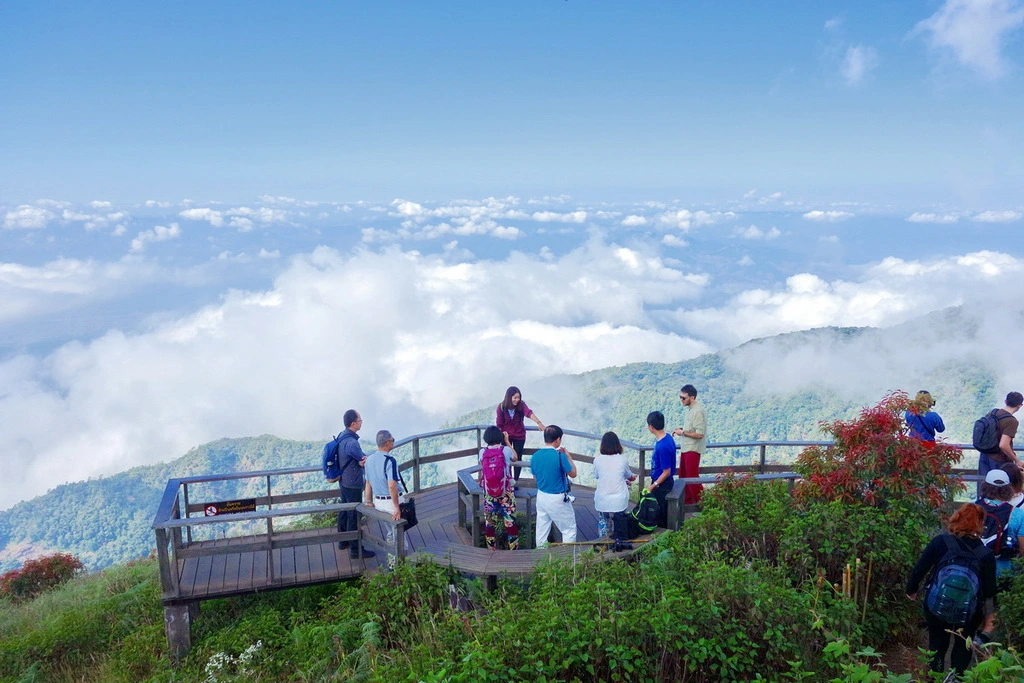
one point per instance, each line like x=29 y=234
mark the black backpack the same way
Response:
x=986 y=432
x=624 y=527
x=995 y=538
x=645 y=512
x=953 y=593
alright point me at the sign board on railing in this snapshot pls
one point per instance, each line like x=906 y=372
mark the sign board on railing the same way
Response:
x=226 y=507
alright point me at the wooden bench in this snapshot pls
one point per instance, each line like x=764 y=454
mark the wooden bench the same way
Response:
x=490 y=564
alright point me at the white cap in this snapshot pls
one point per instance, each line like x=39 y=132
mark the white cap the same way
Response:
x=997 y=478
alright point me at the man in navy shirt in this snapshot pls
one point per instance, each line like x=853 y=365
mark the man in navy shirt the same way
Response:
x=663 y=461
x=351 y=460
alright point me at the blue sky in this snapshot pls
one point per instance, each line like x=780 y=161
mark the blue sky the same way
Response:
x=605 y=101
x=226 y=219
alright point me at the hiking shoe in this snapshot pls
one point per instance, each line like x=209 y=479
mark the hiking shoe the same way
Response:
x=342 y=545
x=366 y=553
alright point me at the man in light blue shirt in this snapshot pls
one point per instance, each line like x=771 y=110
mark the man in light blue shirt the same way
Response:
x=552 y=467
x=382 y=484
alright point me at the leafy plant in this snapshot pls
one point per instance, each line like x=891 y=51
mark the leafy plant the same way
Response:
x=874 y=461
x=39 y=575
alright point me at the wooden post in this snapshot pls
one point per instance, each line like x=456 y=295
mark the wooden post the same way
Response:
x=177 y=625
x=674 y=503
x=643 y=467
x=477 y=533
x=764 y=452
x=462 y=504
x=416 y=465
x=399 y=540
x=167 y=584
x=188 y=529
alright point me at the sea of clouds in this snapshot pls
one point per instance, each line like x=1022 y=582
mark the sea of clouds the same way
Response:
x=134 y=333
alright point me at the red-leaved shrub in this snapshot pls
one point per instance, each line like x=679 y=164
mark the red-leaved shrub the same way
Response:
x=39 y=575
x=874 y=460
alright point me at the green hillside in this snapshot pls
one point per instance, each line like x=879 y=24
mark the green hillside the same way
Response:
x=107 y=521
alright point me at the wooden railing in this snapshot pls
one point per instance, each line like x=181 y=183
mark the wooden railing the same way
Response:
x=178 y=515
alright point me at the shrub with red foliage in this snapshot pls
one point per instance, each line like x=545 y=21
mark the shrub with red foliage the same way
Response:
x=875 y=461
x=39 y=575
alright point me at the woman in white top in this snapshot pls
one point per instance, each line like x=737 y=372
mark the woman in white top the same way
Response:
x=613 y=479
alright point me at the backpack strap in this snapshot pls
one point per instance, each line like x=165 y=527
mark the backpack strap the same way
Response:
x=955 y=545
x=924 y=425
x=392 y=459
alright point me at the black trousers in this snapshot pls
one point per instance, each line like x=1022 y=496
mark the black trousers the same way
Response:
x=660 y=493
x=348 y=520
x=938 y=640
x=517 y=446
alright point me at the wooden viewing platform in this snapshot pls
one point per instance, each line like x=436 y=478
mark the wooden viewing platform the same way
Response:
x=260 y=547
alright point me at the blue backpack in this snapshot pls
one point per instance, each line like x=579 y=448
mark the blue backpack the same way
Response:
x=955 y=589
x=330 y=458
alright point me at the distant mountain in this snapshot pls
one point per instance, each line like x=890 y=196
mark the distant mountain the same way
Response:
x=107 y=521
x=777 y=388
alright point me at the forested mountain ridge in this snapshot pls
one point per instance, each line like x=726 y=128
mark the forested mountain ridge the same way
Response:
x=106 y=521
x=776 y=388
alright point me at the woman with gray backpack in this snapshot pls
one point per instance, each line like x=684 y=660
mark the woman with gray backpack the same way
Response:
x=960 y=593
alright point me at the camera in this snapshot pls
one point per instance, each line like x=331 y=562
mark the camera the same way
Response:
x=568 y=498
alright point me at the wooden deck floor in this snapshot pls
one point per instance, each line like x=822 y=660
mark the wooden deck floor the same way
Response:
x=246 y=571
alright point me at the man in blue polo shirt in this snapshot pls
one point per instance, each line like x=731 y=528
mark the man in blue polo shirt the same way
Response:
x=662 y=463
x=552 y=467
x=382 y=479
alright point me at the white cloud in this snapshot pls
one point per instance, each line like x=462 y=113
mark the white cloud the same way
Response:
x=243 y=224
x=417 y=339
x=671 y=240
x=98 y=204
x=918 y=217
x=827 y=216
x=997 y=217
x=211 y=216
x=552 y=216
x=152 y=203
x=889 y=292
x=857 y=63
x=753 y=232
x=974 y=31
x=27 y=217
x=634 y=221
x=159 y=233
x=240 y=218
x=684 y=219
x=96 y=221
x=33 y=292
